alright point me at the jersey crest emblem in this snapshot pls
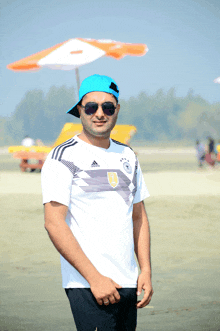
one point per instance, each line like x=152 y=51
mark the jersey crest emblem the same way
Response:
x=113 y=179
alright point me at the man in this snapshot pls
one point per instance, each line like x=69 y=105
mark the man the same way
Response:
x=27 y=141
x=210 y=156
x=93 y=192
x=200 y=153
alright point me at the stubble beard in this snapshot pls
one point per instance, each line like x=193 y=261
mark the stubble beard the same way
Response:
x=98 y=134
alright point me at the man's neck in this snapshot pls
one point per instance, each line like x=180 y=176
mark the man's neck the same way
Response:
x=98 y=142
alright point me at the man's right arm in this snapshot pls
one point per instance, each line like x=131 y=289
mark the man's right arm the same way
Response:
x=102 y=287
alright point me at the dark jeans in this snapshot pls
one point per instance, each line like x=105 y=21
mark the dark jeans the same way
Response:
x=89 y=315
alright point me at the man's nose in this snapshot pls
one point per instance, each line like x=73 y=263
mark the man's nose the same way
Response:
x=99 y=112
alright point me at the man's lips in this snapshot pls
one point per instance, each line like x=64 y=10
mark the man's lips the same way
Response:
x=99 y=122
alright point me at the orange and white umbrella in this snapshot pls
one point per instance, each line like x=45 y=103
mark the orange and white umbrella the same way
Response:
x=74 y=53
x=217 y=80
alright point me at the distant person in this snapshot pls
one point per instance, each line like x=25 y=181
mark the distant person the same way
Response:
x=27 y=141
x=93 y=192
x=200 y=153
x=210 y=155
x=211 y=145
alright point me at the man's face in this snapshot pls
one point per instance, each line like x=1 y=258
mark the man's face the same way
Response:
x=98 y=124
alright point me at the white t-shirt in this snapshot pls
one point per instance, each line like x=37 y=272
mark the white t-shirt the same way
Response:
x=99 y=186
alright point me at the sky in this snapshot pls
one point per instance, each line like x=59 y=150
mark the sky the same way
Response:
x=183 y=37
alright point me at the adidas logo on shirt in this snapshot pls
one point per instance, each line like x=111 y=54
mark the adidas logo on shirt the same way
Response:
x=95 y=164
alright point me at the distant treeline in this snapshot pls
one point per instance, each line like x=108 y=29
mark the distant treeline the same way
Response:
x=159 y=118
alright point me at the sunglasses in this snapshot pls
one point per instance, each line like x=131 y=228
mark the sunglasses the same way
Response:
x=107 y=107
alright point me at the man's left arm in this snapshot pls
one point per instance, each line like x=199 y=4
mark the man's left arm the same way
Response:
x=142 y=250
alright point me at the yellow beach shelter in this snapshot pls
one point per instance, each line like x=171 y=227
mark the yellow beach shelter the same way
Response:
x=122 y=133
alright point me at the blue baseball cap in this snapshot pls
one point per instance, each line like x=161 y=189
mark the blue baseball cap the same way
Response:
x=95 y=83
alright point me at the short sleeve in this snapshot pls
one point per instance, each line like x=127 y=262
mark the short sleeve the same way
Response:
x=56 y=182
x=142 y=191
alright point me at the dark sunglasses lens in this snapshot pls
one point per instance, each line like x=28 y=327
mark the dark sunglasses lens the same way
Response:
x=91 y=108
x=108 y=108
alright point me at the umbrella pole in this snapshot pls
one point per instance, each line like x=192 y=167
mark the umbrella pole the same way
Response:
x=77 y=79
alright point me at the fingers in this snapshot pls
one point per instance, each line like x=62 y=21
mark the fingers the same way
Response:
x=99 y=301
x=111 y=299
x=139 y=288
x=106 y=302
x=106 y=293
x=146 y=299
x=117 y=296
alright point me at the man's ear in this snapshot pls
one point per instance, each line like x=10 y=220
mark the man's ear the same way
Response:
x=118 y=107
x=79 y=110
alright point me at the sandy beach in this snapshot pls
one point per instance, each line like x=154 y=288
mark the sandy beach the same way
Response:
x=184 y=216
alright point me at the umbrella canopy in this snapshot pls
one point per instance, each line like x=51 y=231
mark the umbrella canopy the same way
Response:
x=74 y=53
x=217 y=80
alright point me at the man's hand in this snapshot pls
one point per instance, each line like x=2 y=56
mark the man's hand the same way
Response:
x=144 y=283
x=105 y=291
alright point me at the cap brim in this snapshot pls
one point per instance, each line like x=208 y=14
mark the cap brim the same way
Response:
x=74 y=111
